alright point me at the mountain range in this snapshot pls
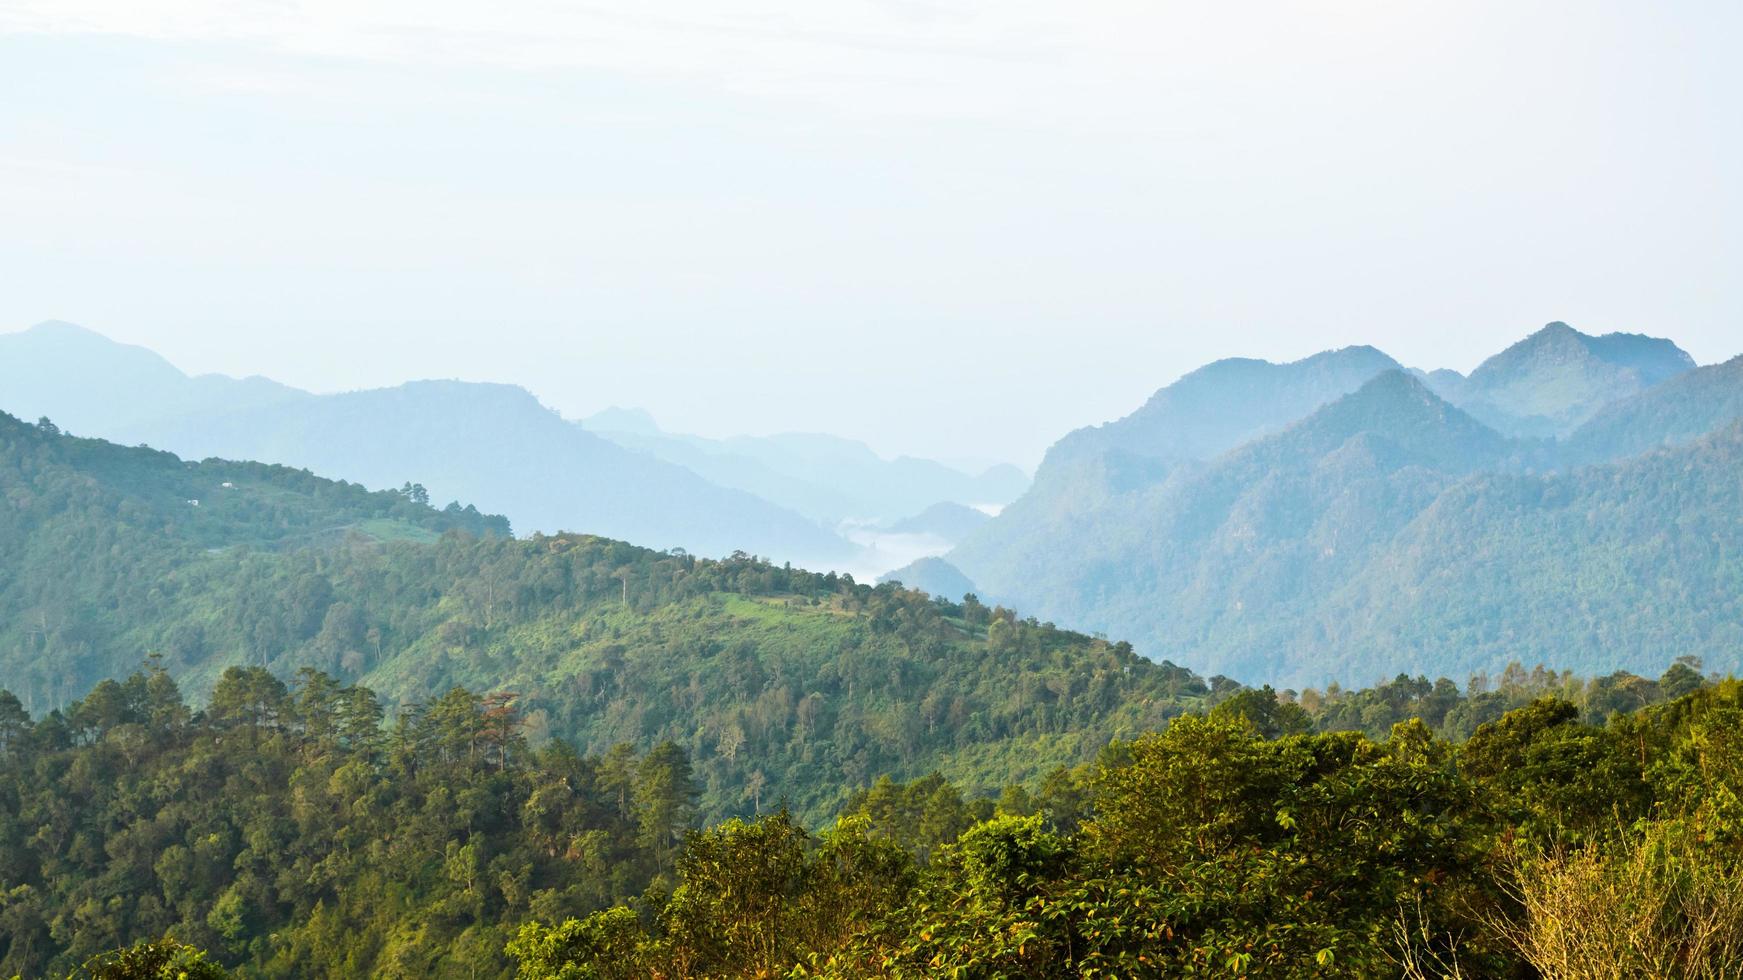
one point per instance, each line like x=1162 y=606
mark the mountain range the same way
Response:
x=1574 y=500
x=497 y=447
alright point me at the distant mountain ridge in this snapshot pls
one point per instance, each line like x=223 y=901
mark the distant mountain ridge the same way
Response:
x=950 y=521
x=1206 y=412
x=90 y=384
x=1193 y=533
x=491 y=444
x=1249 y=559
x=794 y=497
x=1224 y=404
x=826 y=478
x=496 y=444
x=1574 y=500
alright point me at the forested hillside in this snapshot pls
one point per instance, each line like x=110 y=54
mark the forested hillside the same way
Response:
x=49 y=476
x=1677 y=412
x=113 y=552
x=781 y=684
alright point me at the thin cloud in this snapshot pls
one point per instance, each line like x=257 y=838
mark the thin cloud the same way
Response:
x=901 y=56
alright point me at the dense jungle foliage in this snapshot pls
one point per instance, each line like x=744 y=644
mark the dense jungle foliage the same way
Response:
x=289 y=830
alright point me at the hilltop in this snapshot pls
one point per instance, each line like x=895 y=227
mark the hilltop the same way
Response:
x=779 y=683
x=1557 y=378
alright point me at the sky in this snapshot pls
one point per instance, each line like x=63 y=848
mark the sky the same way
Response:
x=949 y=229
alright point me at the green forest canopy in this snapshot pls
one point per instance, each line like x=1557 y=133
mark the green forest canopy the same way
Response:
x=286 y=831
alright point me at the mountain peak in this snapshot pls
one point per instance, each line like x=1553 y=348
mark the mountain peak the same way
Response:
x=1396 y=406
x=946 y=519
x=61 y=327
x=1654 y=358
x=65 y=335
x=1354 y=352
x=933 y=576
x=1396 y=391
x=1551 y=381
x=80 y=378
x=1555 y=337
x=1220 y=406
x=1359 y=359
x=64 y=338
x=638 y=421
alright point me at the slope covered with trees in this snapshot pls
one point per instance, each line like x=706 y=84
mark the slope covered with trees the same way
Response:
x=781 y=684
x=1675 y=413
x=110 y=549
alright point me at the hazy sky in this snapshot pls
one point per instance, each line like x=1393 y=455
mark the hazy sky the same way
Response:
x=948 y=228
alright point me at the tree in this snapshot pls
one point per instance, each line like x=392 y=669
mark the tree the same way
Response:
x=1682 y=678
x=855 y=880
x=991 y=911
x=163 y=959
x=1186 y=793
x=737 y=906
x=604 y=946
x=1261 y=708
x=665 y=800
x=1659 y=905
x=1561 y=780
x=15 y=724
x=250 y=698
x=753 y=785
